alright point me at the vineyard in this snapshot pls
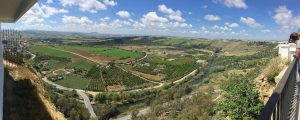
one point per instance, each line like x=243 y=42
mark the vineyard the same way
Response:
x=113 y=76
x=173 y=69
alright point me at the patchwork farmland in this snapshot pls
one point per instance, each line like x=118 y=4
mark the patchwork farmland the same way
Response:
x=78 y=71
x=110 y=68
x=134 y=73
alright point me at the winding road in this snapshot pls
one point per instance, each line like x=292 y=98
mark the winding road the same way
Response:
x=87 y=102
x=79 y=92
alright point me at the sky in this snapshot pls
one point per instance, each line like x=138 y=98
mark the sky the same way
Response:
x=229 y=19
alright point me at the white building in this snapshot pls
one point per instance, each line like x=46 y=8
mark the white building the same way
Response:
x=286 y=51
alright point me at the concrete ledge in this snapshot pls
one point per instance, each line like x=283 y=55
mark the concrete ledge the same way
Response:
x=280 y=75
x=12 y=10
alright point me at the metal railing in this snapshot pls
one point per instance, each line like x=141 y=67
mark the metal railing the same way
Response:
x=282 y=103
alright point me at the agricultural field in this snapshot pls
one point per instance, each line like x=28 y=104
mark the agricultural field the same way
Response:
x=74 y=71
x=167 y=63
x=102 y=54
x=115 y=79
x=172 y=68
x=151 y=71
x=56 y=58
x=171 y=60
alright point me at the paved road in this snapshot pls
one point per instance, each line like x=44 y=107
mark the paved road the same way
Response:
x=79 y=92
x=87 y=102
x=32 y=55
x=145 y=110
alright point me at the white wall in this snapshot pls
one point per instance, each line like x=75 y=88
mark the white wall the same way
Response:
x=286 y=51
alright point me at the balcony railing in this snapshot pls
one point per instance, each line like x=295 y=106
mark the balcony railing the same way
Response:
x=282 y=104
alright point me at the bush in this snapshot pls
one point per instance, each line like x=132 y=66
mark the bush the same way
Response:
x=101 y=98
x=273 y=68
x=240 y=99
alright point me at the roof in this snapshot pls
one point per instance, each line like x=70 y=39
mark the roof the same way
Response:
x=12 y=10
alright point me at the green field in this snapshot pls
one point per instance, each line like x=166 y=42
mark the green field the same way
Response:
x=45 y=50
x=106 y=51
x=54 y=58
x=74 y=81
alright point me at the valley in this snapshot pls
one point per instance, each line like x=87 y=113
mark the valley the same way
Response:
x=132 y=77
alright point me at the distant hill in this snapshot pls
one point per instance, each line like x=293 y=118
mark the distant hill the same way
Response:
x=34 y=34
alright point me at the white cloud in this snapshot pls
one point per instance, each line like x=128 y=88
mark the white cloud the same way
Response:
x=84 y=24
x=284 y=17
x=152 y=17
x=250 y=22
x=152 y=21
x=104 y=19
x=92 y=6
x=233 y=3
x=49 y=11
x=265 y=30
x=205 y=7
x=212 y=17
x=76 y=20
x=110 y=2
x=232 y=25
x=38 y=13
x=173 y=15
x=123 y=14
x=223 y=28
x=49 y=1
x=227 y=28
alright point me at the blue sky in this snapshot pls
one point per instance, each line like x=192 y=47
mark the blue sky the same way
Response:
x=236 y=19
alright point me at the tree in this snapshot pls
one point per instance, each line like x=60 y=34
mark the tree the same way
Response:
x=74 y=115
x=240 y=99
x=101 y=97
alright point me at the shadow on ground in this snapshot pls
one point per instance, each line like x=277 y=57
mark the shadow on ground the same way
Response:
x=21 y=101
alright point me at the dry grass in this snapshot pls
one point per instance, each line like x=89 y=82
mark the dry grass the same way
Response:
x=149 y=76
x=234 y=48
x=273 y=68
x=22 y=72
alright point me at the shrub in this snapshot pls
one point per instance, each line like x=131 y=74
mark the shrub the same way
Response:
x=240 y=99
x=273 y=68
